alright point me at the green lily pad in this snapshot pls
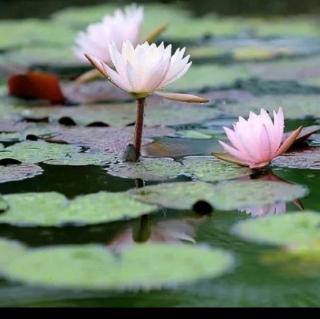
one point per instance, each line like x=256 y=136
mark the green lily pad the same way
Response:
x=147 y=169
x=53 y=56
x=294 y=106
x=287 y=230
x=210 y=169
x=120 y=115
x=82 y=159
x=210 y=76
x=18 y=172
x=298 y=261
x=93 y=267
x=53 y=209
x=302 y=70
x=304 y=159
x=227 y=195
x=34 y=32
x=38 y=151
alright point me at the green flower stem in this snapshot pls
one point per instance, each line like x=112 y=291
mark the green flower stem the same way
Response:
x=139 y=127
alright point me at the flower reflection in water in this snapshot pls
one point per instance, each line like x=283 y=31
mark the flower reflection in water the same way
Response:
x=277 y=208
x=167 y=231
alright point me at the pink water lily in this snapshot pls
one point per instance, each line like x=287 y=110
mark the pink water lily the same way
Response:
x=145 y=70
x=121 y=26
x=257 y=141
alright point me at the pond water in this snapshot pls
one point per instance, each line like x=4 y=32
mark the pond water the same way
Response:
x=54 y=247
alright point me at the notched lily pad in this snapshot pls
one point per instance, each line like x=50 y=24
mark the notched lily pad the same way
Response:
x=286 y=230
x=227 y=195
x=53 y=209
x=94 y=267
x=17 y=172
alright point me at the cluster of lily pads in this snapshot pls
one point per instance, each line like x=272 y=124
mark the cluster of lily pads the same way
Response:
x=95 y=125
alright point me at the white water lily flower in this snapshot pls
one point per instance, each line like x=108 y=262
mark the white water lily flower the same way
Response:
x=145 y=69
x=121 y=26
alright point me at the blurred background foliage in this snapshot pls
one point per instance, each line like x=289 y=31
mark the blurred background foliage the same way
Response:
x=38 y=8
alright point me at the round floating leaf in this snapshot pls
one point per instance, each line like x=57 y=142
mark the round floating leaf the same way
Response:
x=210 y=76
x=306 y=159
x=298 y=261
x=147 y=169
x=18 y=172
x=84 y=158
x=53 y=209
x=223 y=196
x=31 y=32
x=294 y=106
x=288 y=230
x=39 y=151
x=120 y=115
x=302 y=70
x=210 y=169
x=9 y=251
x=93 y=267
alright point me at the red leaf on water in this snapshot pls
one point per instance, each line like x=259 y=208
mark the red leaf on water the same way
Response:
x=36 y=85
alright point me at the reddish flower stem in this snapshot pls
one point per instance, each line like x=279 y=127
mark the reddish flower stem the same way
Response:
x=139 y=127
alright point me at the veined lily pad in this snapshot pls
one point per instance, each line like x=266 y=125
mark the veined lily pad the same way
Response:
x=294 y=106
x=53 y=209
x=93 y=267
x=228 y=195
x=288 y=230
x=18 y=172
x=304 y=159
x=210 y=169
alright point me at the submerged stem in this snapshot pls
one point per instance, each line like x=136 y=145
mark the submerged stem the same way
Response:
x=139 y=127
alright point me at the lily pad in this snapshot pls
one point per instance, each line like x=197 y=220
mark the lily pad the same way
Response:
x=301 y=71
x=147 y=169
x=120 y=115
x=210 y=169
x=53 y=209
x=18 y=172
x=44 y=56
x=286 y=230
x=294 y=106
x=38 y=151
x=93 y=267
x=304 y=159
x=210 y=76
x=30 y=32
x=303 y=260
x=108 y=140
x=227 y=195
